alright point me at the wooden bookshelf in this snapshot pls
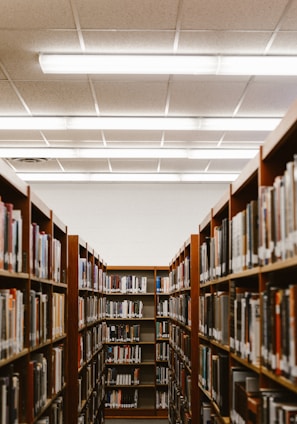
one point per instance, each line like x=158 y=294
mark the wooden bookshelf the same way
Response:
x=85 y=333
x=34 y=340
x=183 y=334
x=259 y=324
x=127 y=335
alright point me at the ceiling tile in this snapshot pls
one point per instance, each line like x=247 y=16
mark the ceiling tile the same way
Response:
x=223 y=42
x=229 y=165
x=133 y=136
x=263 y=96
x=57 y=97
x=183 y=165
x=137 y=165
x=83 y=165
x=69 y=136
x=129 y=42
x=10 y=104
x=133 y=144
x=244 y=136
x=131 y=98
x=193 y=136
x=204 y=98
x=21 y=136
x=123 y=14
x=232 y=14
x=289 y=21
x=36 y=14
x=284 y=43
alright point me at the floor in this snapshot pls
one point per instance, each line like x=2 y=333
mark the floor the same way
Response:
x=135 y=421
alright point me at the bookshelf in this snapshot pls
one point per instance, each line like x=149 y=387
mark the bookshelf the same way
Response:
x=133 y=355
x=86 y=369
x=162 y=340
x=33 y=337
x=183 y=334
x=247 y=290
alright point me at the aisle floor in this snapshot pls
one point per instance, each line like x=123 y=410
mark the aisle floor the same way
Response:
x=135 y=421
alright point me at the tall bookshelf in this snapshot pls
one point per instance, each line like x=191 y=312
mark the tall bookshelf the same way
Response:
x=131 y=348
x=162 y=339
x=247 y=299
x=33 y=338
x=183 y=334
x=85 y=333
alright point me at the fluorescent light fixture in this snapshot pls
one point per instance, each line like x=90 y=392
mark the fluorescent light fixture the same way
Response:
x=167 y=64
x=128 y=153
x=120 y=123
x=134 y=177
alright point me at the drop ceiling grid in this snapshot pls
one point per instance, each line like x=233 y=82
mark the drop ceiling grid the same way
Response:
x=200 y=26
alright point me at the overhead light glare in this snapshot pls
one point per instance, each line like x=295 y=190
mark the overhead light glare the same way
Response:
x=155 y=64
x=133 y=177
x=128 y=153
x=134 y=123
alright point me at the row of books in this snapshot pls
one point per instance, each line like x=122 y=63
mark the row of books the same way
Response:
x=163 y=308
x=279 y=326
x=213 y=310
x=9 y=397
x=182 y=376
x=58 y=368
x=39 y=312
x=58 y=314
x=114 y=377
x=179 y=277
x=10 y=237
x=162 y=284
x=89 y=309
x=162 y=329
x=180 y=340
x=123 y=354
x=245 y=328
x=119 y=398
x=214 y=253
x=124 y=308
x=162 y=351
x=253 y=404
x=89 y=401
x=213 y=377
x=90 y=275
x=89 y=343
x=56 y=416
x=219 y=382
x=278 y=216
x=85 y=274
x=180 y=308
x=37 y=384
x=162 y=374
x=179 y=407
x=125 y=284
x=262 y=233
x=161 y=399
x=99 y=276
x=122 y=333
x=41 y=257
x=11 y=322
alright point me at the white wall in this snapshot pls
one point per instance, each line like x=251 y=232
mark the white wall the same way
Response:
x=131 y=224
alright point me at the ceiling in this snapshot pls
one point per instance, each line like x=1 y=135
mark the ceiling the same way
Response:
x=207 y=27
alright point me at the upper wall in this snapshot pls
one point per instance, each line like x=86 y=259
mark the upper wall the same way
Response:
x=139 y=224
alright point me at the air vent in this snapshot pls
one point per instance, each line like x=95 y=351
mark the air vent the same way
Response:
x=30 y=160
